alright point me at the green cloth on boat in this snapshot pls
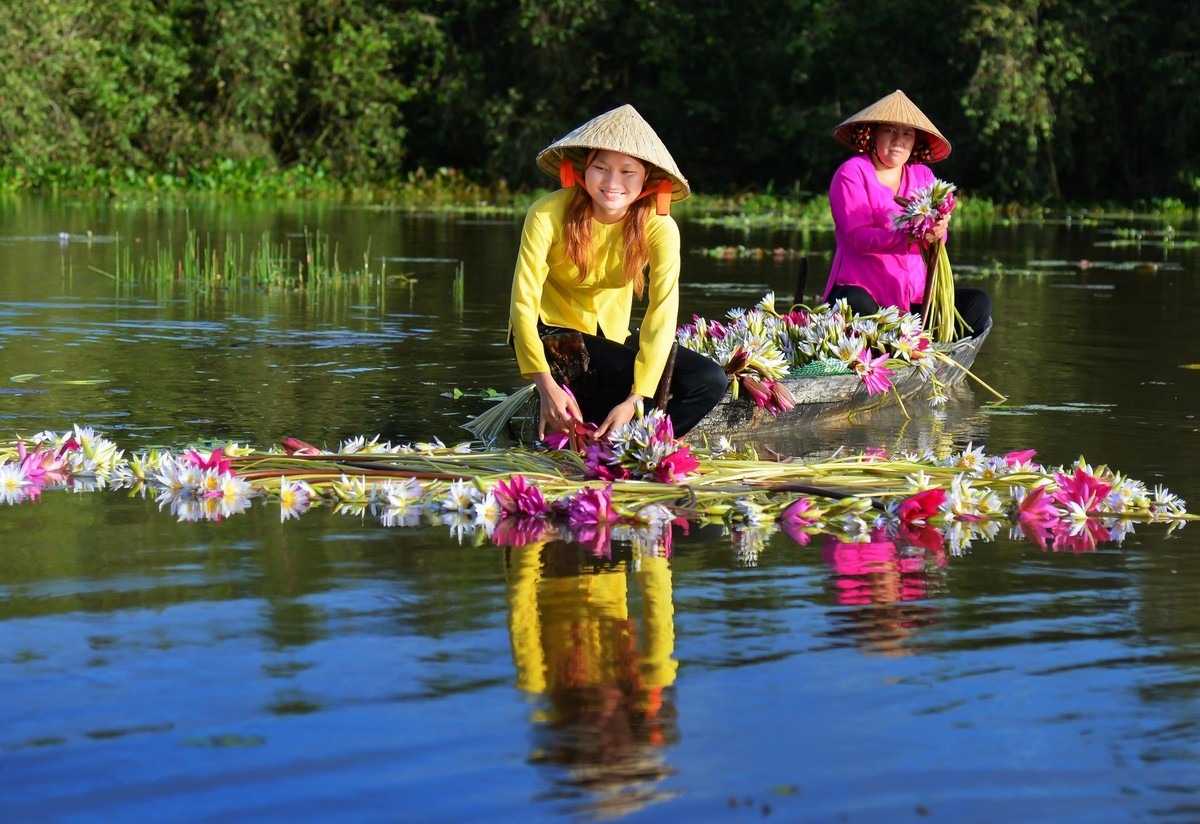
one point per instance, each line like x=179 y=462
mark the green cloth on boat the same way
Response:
x=820 y=368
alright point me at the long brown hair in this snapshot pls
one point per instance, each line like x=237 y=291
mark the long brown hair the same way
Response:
x=577 y=233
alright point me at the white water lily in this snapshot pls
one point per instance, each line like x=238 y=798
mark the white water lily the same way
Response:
x=295 y=498
x=971 y=460
x=402 y=494
x=461 y=496
x=13 y=481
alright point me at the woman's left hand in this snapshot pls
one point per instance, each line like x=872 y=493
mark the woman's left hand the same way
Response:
x=620 y=415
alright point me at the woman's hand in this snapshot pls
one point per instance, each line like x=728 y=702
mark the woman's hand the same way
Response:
x=620 y=415
x=559 y=408
x=938 y=232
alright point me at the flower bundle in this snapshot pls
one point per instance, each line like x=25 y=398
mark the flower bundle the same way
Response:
x=760 y=346
x=916 y=219
x=926 y=207
x=517 y=496
x=643 y=449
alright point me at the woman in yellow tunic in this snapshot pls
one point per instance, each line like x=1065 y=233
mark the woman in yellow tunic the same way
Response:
x=586 y=251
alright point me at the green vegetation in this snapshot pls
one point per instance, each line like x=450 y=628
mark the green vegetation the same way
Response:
x=447 y=102
x=203 y=266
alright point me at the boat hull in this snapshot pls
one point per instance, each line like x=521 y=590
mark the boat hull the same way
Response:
x=820 y=398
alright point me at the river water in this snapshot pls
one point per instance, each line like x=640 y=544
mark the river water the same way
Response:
x=331 y=668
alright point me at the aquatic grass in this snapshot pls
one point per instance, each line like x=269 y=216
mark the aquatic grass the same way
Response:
x=203 y=265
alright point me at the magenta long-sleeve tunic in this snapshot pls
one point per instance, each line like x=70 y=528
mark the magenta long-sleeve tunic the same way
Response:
x=870 y=253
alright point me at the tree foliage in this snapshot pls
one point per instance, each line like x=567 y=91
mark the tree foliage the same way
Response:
x=745 y=94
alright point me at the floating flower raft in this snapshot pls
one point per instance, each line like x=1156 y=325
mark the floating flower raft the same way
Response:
x=633 y=488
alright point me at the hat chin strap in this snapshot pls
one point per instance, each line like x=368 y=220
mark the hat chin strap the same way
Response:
x=661 y=191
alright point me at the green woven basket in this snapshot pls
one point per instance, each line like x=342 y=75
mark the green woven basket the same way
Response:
x=820 y=368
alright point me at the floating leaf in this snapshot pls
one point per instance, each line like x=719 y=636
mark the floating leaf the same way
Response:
x=226 y=740
x=23 y=378
x=82 y=381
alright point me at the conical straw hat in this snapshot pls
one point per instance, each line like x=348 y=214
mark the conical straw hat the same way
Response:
x=621 y=130
x=895 y=108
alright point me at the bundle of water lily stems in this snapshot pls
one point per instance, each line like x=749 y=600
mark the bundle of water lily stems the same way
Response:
x=939 y=316
x=643 y=478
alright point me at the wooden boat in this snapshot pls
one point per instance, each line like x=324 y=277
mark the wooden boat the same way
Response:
x=817 y=398
x=828 y=396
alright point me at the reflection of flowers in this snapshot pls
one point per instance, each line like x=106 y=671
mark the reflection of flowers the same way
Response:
x=187 y=506
x=518 y=530
x=880 y=570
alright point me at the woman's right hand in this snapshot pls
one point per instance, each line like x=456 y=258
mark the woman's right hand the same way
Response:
x=938 y=232
x=559 y=408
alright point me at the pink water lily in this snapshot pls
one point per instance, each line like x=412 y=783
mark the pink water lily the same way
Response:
x=1081 y=488
x=1019 y=457
x=758 y=393
x=519 y=497
x=295 y=446
x=793 y=520
x=41 y=467
x=772 y=396
x=214 y=460
x=876 y=376
x=921 y=507
x=1037 y=507
x=676 y=466
x=592 y=505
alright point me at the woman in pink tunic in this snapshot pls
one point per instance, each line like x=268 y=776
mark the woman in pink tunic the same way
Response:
x=874 y=265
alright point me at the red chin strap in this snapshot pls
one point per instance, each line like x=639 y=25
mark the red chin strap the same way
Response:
x=661 y=191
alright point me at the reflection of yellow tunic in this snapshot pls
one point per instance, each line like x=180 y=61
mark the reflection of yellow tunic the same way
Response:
x=550 y=617
x=546 y=284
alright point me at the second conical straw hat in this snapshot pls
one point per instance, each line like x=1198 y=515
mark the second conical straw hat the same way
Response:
x=621 y=130
x=895 y=108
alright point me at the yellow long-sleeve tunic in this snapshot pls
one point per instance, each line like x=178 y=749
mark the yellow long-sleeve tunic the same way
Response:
x=546 y=284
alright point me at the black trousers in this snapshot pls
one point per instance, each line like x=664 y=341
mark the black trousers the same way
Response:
x=697 y=382
x=975 y=305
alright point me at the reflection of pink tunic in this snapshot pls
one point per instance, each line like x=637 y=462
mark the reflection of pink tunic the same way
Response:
x=854 y=564
x=869 y=252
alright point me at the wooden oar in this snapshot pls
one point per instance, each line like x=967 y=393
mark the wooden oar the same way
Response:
x=801 y=277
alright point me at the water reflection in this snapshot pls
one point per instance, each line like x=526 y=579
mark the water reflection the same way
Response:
x=884 y=582
x=605 y=714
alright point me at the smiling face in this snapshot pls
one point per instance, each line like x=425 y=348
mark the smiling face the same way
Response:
x=614 y=181
x=893 y=145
